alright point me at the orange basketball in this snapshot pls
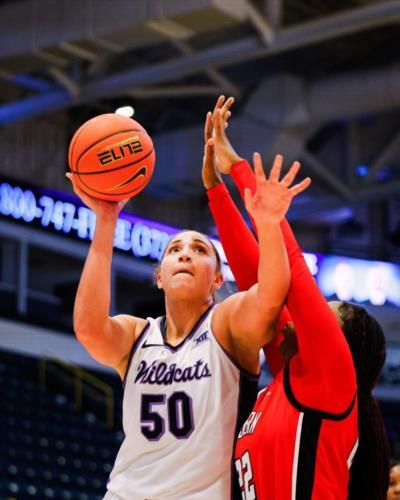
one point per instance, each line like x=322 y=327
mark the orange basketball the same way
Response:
x=112 y=157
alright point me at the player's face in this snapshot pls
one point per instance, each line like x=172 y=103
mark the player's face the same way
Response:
x=394 y=483
x=189 y=266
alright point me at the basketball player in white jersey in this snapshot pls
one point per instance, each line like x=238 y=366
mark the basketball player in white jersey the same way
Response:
x=183 y=373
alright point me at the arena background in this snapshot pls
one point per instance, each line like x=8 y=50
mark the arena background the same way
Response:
x=317 y=81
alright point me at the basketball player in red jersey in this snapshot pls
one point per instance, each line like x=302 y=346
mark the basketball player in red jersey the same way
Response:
x=302 y=436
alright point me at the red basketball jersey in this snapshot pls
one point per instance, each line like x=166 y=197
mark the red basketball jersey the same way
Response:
x=299 y=440
x=286 y=451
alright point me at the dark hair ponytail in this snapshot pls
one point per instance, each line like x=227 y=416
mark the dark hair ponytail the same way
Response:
x=369 y=474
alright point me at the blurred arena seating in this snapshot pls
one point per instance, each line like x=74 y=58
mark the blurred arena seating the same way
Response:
x=48 y=448
x=51 y=450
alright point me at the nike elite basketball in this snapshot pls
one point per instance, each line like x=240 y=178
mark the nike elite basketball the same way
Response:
x=112 y=157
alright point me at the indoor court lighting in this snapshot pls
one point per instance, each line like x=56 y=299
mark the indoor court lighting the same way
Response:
x=125 y=111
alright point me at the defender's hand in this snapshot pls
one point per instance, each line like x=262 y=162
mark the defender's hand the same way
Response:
x=226 y=155
x=273 y=197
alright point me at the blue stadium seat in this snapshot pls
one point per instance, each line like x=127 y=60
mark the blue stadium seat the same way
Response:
x=48 y=449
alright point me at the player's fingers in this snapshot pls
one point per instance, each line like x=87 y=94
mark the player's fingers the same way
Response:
x=209 y=148
x=208 y=158
x=226 y=119
x=123 y=202
x=208 y=126
x=76 y=189
x=222 y=126
x=218 y=124
x=258 y=168
x=275 y=171
x=219 y=103
x=300 y=187
x=226 y=106
x=70 y=177
x=291 y=175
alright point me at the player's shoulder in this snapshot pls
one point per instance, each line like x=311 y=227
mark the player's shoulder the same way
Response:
x=223 y=309
x=132 y=324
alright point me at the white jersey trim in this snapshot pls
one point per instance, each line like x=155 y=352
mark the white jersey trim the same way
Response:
x=352 y=453
x=296 y=455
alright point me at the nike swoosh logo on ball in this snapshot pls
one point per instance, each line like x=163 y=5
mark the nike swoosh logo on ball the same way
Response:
x=139 y=173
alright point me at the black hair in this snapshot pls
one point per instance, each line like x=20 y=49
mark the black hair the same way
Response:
x=369 y=473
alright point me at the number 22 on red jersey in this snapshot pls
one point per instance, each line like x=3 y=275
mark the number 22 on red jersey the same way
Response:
x=245 y=473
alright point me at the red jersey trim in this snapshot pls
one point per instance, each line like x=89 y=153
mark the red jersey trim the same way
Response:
x=312 y=411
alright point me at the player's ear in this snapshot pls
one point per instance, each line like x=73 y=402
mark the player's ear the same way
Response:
x=218 y=280
x=157 y=277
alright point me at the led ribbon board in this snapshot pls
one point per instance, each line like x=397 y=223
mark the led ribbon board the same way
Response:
x=343 y=277
x=61 y=213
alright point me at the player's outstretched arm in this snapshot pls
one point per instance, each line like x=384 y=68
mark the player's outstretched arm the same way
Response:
x=250 y=317
x=318 y=372
x=239 y=243
x=108 y=339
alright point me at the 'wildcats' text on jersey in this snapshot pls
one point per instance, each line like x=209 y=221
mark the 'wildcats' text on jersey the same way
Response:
x=159 y=372
x=180 y=417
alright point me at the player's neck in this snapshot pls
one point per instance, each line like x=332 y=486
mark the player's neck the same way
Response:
x=181 y=319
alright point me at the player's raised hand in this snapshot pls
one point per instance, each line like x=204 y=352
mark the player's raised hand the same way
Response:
x=225 y=154
x=273 y=197
x=100 y=207
x=209 y=173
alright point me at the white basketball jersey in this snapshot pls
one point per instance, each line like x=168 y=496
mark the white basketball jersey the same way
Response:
x=180 y=418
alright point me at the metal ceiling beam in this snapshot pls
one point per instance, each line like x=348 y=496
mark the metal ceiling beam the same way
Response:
x=249 y=48
x=177 y=91
x=274 y=11
x=27 y=82
x=214 y=75
x=42 y=24
x=388 y=152
x=48 y=57
x=64 y=80
x=261 y=24
x=171 y=29
x=35 y=106
x=77 y=51
x=107 y=45
x=344 y=23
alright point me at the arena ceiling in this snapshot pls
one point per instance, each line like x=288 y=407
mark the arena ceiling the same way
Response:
x=316 y=80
